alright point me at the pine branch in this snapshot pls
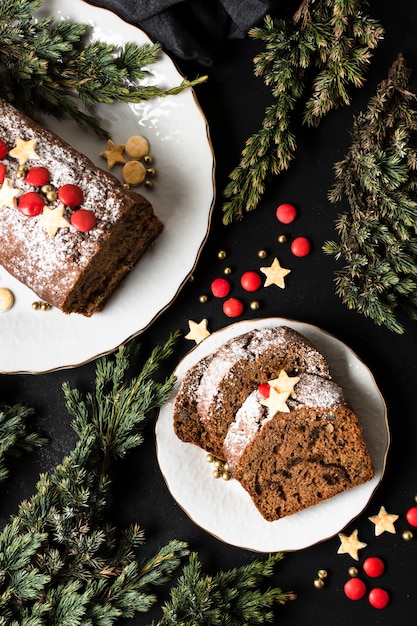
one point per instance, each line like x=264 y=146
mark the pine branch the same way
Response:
x=15 y=438
x=312 y=60
x=48 y=66
x=229 y=598
x=378 y=180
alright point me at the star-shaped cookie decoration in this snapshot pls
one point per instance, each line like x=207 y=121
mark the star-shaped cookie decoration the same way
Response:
x=53 y=219
x=8 y=195
x=276 y=402
x=384 y=522
x=285 y=383
x=275 y=274
x=350 y=544
x=24 y=150
x=113 y=154
x=198 y=332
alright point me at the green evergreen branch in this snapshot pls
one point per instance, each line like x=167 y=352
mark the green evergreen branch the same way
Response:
x=313 y=59
x=48 y=66
x=378 y=179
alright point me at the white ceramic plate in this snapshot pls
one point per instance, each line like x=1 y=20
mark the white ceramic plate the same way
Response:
x=183 y=195
x=224 y=509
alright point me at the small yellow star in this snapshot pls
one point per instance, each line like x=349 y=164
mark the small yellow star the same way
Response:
x=24 y=150
x=53 y=219
x=384 y=522
x=276 y=402
x=198 y=332
x=113 y=154
x=8 y=195
x=275 y=274
x=285 y=383
x=350 y=545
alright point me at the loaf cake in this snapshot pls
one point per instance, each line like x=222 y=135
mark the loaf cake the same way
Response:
x=213 y=390
x=68 y=230
x=289 y=461
x=264 y=402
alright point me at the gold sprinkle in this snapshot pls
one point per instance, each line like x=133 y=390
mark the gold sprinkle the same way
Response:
x=319 y=583
x=262 y=254
x=255 y=305
x=222 y=254
x=203 y=298
x=407 y=535
x=282 y=239
x=322 y=573
x=148 y=184
x=353 y=571
x=227 y=271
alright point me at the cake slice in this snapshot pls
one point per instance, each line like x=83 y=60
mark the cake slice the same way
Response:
x=68 y=230
x=292 y=459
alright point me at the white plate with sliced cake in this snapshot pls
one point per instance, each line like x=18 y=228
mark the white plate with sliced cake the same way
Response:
x=224 y=508
x=36 y=340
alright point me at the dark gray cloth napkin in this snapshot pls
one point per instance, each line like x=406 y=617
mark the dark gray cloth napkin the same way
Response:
x=194 y=30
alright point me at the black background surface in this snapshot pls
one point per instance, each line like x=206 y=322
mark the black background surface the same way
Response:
x=233 y=101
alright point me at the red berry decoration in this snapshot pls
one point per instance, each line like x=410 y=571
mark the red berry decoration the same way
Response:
x=2 y=172
x=378 y=598
x=411 y=516
x=373 y=566
x=38 y=176
x=3 y=149
x=220 y=287
x=264 y=389
x=301 y=246
x=232 y=307
x=31 y=204
x=286 y=213
x=83 y=220
x=71 y=195
x=355 y=589
x=250 y=281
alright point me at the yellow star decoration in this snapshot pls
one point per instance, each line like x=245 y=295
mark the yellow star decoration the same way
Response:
x=275 y=274
x=113 y=154
x=24 y=150
x=276 y=402
x=198 y=332
x=53 y=219
x=8 y=195
x=384 y=522
x=285 y=383
x=350 y=544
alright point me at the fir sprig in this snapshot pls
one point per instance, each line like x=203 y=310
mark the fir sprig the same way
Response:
x=15 y=437
x=311 y=61
x=49 y=66
x=378 y=180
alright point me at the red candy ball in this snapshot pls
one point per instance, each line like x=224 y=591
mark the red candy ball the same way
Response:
x=355 y=589
x=250 y=281
x=300 y=246
x=373 y=566
x=232 y=307
x=264 y=389
x=2 y=173
x=3 y=149
x=31 y=204
x=286 y=213
x=411 y=516
x=83 y=220
x=71 y=195
x=378 y=598
x=38 y=176
x=220 y=287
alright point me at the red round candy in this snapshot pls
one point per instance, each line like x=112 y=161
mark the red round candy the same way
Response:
x=264 y=389
x=3 y=149
x=232 y=307
x=411 y=516
x=250 y=281
x=286 y=213
x=2 y=172
x=378 y=598
x=355 y=589
x=373 y=566
x=37 y=176
x=71 y=195
x=83 y=220
x=300 y=246
x=31 y=204
x=220 y=287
